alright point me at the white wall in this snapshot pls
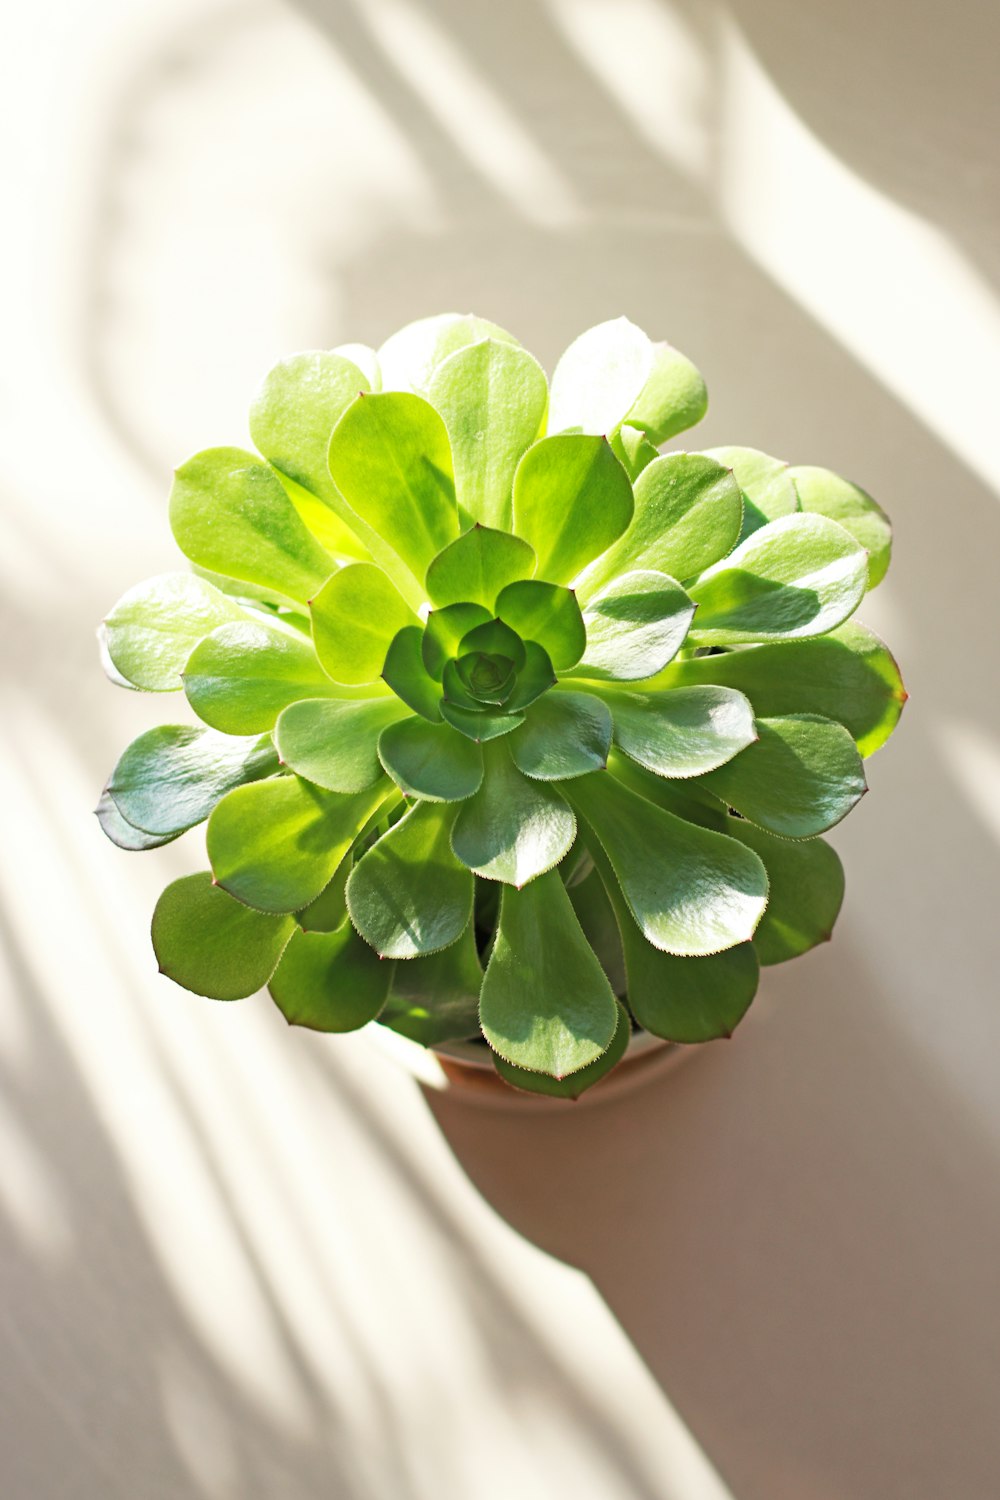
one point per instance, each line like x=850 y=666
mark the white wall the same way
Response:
x=238 y=1262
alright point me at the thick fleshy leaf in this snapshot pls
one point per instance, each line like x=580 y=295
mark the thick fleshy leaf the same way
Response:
x=848 y=675
x=798 y=576
x=409 y=895
x=682 y=732
x=364 y=356
x=492 y=396
x=153 y=629
x=333 y=742
x=690 y=890
x=513 y=829
x=229 y=512
x=477 y=566
x=404 y=672
x=296 y=409
x=597 y=917
x=575 y=1084
x=533 y=679
x=494 y=637
x=633 y=450
x=572 y=499
x=546 y=1003
x=330 y=981
x=768 y=491
x=436 y=998
x=275 y=845
x=354 y=618
x=171 y=777
x=207 y=942
x=408 y=358
x=634 y=627
x=548 y=614
x=807 y=890
x=680 y=999
x=432 y=761
x=241 y=676
x=687 y=516
x=600 y=377
x=391 y=461
x=482 y=726
x=801 y=776
x=564 y=735
x=329 y=910
x=121 y=833
x=444 y=631
x=825 y=493
x=673 y=399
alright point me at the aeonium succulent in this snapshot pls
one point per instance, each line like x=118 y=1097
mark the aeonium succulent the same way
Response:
x=511 y=727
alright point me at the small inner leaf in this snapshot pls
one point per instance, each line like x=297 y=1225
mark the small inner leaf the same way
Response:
x=477 y=566
x=404 y=672
x=444 y=630
x=548 y=614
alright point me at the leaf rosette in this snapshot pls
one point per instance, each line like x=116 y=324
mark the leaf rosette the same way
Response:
x=511 y=727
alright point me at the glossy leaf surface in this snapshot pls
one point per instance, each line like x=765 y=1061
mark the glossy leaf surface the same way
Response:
x=572 y=499
x=330 y=981
x=634 y=627
x=600 y=377
x=405 y=673
x=408 y=358
x=673 y=399
x=683 y=732
x=513 y=829
x=241 y=676
x=825 y=493
x=121 y=832
x=171 y=777
x=433 y=761
x=296 y=409
x=153 y=629
x=213 y=945
x=565 y=734
x=575 y=1084
x=768 y=491
x=548 y=614
x=354 y=618
x=333 y=742
x=409 y=895
x=477 y=566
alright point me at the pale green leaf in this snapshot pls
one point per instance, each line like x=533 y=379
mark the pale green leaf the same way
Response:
x=546 y=1003
x=681 y=732
x=690 y=890
x=276 y=845
x=364 y=356
x=409 y=895
x=600 y=377
x=444 y=631
x=673 y=399
x=242 y=675
x=330 y=981
x=827 y=494
x=333 y=742
x=408 y=358
x=634 y=627
x=213 y=945
x=513 y=829
x=572 y=499
x=800 y=778
x=798 y=576
x=548 y=614
x=576 y=1084
x=354 y=618
x=633 y=451
x=121 y=833
x=477 y=566
x=768 y=491
x=565 y=734
x=492 y=396
x=296 y=409
x=481 y=726
x=153 y=629
x=229 y=512
x=807 y=890
x=432 y=761
x=171 y=777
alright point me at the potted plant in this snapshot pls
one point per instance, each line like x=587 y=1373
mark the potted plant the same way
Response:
x=514 y=733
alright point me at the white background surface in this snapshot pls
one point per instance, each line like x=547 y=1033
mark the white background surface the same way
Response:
x=239 y=1262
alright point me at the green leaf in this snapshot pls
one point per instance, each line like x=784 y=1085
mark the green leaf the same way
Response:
x=807 y=890
x=684 y=1000
x=456 y=694
x=333 y=742
x=241 y=676
x=600 y=377
x=492 y=396
x=546 y=1003
x=213 y=945
x=494 y=637
x=533 y=679
x=634 y=627
x=276 y=844
x=391 y=461
x=688 y=511
x=436 y=999
x=673 y=398
x=848 y=675
x=482 y=726
x=296 y=409
x=576 y=1083
x=229 y=512
x=768 y=491
x=548 y=614
x=404 y=672
x=477 y=566
x=800 y=778
x=597 y=917
x=824 y=493
x=572 y=499
x=153 y=629
x=409 y=357
x=354 y=618
x=171 y=777
x=409 y=895
x=121 y=832
x=513 y=829
x=432 y=761
x=564 y=735
x=329 y=910
x=364 y=356
x=633 y=451
x=682 y=732
x=330 y=981
x=444 y=630
x=690 y=890
x=799 y=576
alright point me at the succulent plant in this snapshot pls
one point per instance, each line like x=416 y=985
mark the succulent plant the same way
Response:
x=511 y=727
